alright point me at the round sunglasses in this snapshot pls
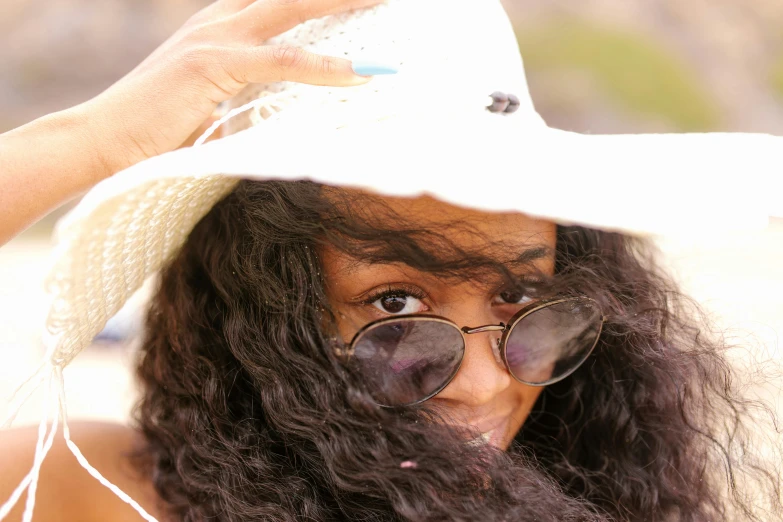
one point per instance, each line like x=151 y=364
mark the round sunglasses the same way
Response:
x=405 y=360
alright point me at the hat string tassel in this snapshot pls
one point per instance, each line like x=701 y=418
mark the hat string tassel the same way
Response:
x=56 y=390
x=87 y=466
x=42 y=446
x=270 y=102
x=16 y=402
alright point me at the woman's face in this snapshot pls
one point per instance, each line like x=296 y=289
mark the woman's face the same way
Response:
x=482 y=393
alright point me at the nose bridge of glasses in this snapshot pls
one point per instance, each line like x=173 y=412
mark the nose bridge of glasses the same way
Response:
x=495 y=344
x=486 y=328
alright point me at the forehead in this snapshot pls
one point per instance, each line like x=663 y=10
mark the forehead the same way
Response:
x=503 y=236
x=463 y=225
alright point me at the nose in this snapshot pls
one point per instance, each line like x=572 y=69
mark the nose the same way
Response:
x=482 y=375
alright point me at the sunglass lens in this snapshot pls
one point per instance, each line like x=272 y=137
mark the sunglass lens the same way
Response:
x=406 y=361
x=553 y=341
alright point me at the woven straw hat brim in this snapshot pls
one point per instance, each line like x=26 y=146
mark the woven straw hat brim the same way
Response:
x=131 y=224
x=671 y=184
x=425 y=130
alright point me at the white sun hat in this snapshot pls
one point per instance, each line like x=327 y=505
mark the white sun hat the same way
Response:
x=433 y=128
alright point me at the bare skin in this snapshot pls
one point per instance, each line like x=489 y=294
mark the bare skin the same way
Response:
x=66 y=492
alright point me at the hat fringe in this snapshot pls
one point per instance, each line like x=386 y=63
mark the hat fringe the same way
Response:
x=15 y=403
x=55 y=383
x=42 y=446
x=267 y=105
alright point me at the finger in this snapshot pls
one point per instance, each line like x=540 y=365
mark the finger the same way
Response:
x=228 y=7
x=268 y=18
x=267 y=63
x=233 y=5
x=216 y=11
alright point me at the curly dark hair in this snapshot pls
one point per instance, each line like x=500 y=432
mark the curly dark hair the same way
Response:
x=247 y=415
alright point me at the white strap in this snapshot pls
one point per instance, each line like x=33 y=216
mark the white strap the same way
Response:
x=56 y=390
x=42 y=447
x=87 y=466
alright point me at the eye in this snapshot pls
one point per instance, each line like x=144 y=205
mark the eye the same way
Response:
x=398 y=304
x=517 y=296
x=397 y=301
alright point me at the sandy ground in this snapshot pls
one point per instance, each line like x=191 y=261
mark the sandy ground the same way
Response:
x=738 y=278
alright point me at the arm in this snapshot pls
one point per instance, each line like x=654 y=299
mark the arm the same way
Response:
x=159 y=104
x=53 y=160
x=44 y=164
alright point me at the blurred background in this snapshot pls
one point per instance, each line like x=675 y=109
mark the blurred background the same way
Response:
x=594 y=66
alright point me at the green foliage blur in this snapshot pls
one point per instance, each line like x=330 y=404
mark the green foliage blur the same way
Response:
x=638 y=74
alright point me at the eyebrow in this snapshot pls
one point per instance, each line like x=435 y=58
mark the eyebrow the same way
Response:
x=532 y=254
x=525 y=258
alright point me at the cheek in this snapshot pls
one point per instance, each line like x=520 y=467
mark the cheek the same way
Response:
x=526 y=398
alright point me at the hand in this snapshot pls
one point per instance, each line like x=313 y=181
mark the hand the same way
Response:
x=165 y=100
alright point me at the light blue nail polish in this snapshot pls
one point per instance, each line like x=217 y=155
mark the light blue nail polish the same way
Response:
x=369 y=68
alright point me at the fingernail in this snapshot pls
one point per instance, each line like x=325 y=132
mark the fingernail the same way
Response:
x=369 y=68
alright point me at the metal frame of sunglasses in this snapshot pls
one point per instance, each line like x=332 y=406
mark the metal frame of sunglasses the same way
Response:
x=505 y=328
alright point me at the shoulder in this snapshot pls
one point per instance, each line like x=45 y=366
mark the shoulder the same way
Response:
x=66 y=491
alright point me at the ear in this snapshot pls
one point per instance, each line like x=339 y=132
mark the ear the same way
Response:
x=215 y=116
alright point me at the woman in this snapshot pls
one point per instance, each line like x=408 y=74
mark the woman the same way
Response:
x=332 y=354
x=238 y=384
